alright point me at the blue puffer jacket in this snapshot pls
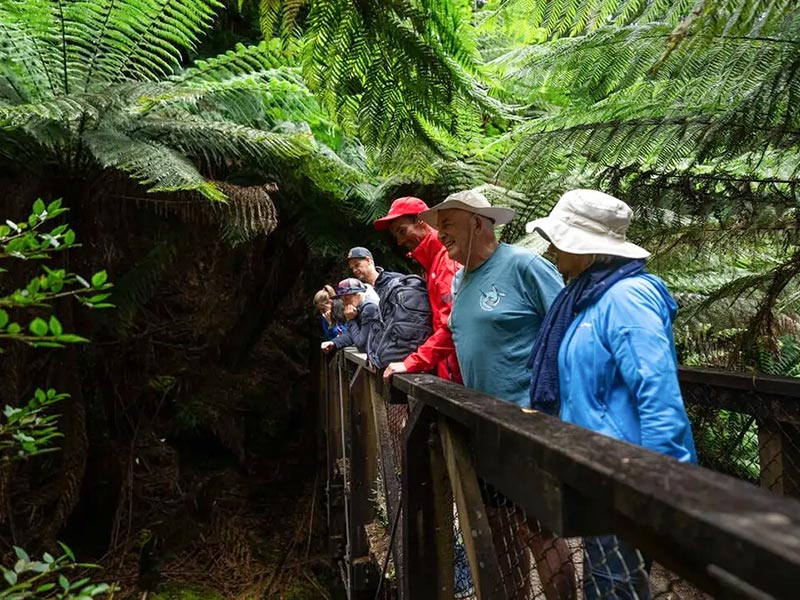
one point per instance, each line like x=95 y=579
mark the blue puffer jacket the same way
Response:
x=619 y=373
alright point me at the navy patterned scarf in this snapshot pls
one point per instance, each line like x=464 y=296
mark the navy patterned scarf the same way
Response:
x=579 y=294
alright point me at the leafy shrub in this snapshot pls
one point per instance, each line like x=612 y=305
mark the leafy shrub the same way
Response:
x=29 y=429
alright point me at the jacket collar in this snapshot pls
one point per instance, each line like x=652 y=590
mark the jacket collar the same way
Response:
x=427 y=251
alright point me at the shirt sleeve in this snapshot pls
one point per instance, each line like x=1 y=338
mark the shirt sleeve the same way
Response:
x=434 y=350
x=543 y=282
x=347 y=337
x=641 y=343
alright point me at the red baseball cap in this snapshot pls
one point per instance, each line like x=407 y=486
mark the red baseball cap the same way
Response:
x=402 y=207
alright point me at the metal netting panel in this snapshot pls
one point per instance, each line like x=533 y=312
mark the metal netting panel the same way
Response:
x=536 y=564
x=752 y=438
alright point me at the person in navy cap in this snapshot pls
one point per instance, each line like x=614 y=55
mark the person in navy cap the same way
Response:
x=362 y=314
x=362 y=265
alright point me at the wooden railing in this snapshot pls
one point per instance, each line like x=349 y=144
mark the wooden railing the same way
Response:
x=724 y=536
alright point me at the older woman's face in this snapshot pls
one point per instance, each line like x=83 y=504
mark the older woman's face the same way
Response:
x=570 y=265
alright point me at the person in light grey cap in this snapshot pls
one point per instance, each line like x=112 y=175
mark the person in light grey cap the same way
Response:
x=500 y=297
x=362 y=314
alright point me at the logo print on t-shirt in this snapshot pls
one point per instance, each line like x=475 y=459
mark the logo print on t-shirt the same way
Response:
x=490 y=300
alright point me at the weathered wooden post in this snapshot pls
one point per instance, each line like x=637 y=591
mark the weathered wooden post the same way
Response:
x=428 y=511
x=336 y=398
x=472 y=515
x=363 y=575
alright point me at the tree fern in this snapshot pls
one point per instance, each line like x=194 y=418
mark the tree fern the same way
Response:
x=686 y=110
x=395 y=73
x=93 y=85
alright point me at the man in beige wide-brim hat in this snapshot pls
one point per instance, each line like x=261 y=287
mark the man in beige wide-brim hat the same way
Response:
x=500 y=297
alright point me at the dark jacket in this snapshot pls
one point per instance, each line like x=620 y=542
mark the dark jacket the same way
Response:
x=362 y=329
x=383 y=278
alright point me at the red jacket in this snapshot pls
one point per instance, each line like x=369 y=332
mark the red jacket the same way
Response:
x=438 y=352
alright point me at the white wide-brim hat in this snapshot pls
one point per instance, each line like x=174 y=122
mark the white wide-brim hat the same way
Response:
x=470 y=201
x=589 y=222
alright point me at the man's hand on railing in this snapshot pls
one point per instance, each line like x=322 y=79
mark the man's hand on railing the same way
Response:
x=395 y=367
x=327 y=347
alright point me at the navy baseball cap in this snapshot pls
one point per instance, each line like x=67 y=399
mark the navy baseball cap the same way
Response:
x=351 y=285
x=359 y=252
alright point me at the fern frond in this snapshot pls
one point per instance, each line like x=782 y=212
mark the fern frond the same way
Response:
x=242 y=60
x=559 y=18
x=30 y=67
x=219 y=141
x=136 y=287
x=250 y=212
x=154 y=165
x=144 y=40
x=63 y=109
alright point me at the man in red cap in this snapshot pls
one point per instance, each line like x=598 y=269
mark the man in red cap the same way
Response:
x=438 y=352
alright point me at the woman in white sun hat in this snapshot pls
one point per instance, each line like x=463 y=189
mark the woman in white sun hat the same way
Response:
x=606 y=355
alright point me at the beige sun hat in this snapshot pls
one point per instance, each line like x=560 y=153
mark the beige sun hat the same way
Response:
x=470 y=201
x=589 y=222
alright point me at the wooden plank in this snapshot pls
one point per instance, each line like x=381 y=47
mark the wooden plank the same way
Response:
x=471 y=514
x=788 y=387
x=763 y=396
x=427 y=545
x=442 y=520
x=770 y=455
x=671 y=507
x=417 y=506
x=363 y=578
x=779 y=457
x=335 y=503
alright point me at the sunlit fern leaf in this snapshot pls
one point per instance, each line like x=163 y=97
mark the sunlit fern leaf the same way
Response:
x=154 y=165
x=784 y=359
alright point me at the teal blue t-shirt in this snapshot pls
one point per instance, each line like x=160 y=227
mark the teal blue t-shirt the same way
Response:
x=497 y=311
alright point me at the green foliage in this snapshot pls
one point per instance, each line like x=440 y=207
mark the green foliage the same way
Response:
x=416 y=89
x=404 y=75
x=103 y=85
x=29 y=429
x=28 y=240
x=687 y=111
x=784 y=359
x=47 y=578
x=726 y=441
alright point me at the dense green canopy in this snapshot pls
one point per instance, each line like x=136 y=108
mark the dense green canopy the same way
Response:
x=688 y=110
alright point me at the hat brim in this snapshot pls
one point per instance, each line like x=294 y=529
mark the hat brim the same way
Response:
x=499 y=214
x=383 y=223
x=349 y=291
x=578 y=241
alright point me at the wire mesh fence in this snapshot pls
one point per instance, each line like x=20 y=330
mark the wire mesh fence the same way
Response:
x=746 y=432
